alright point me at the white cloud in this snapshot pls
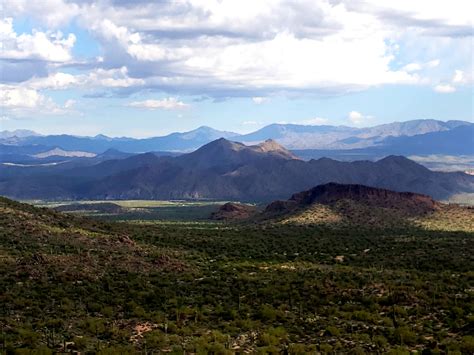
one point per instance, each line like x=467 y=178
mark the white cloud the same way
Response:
x=460 y=77
x=69 y=104
x=98 y=78
x=170 y=103
x=22 y=101
x=315 y=121
x=414 y=67
x=358 y=118
x=433 y=63
x=56 y=81
x=444 y=88
x=259 y=100
x=112 y=78
x=48 y=46
x=250 y=123
x=53 y=13
x=223 y=48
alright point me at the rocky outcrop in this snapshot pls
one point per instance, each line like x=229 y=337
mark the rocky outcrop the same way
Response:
x=329 y=194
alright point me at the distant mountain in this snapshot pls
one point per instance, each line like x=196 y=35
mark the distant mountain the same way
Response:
x=19 y=133
x=455 y=142
x=299 y=137
x=227 y=171
x=384 y=139
x=295 y=136
x=174 y=142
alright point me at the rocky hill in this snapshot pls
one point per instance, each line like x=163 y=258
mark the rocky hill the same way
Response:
x=362 y=206
x=329 y=194
x=233 y=212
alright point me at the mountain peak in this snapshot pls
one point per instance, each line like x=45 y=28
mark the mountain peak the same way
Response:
x=273 y=147
x=271 y=144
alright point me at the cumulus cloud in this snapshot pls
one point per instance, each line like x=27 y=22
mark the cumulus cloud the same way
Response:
x=358 y=118
x=223 y=48
x=459 y=79
x=22 y=101
x=169 y=103
x=48 y=46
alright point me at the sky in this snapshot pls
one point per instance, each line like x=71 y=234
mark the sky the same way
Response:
x=147 y=68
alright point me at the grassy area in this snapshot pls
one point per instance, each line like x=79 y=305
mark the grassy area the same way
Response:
x=149 y=210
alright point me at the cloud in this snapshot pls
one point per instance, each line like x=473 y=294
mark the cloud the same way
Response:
x=98 y=78
x=459 y=79
x=259 y=100
x=315 y=121
x=429 y=18
x=170 y=103
x=358 y=118
x=413 y=67
x=22 y=101
x=222 y=49
x=250 y=123
x=444 y=88
x=55 y=81
x=47 y=46
x=53 y=13
x=69 y=104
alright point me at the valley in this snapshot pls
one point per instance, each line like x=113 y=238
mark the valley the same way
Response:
x=219 y=177
x=267 y=284
x=239 y=248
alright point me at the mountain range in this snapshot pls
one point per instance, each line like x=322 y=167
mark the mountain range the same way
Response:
x=222 y=170
x=406 y=138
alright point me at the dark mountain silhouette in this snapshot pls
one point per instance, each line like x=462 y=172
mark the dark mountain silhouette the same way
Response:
x=225 y=170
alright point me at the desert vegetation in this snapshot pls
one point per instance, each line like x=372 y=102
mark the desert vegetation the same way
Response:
x=79 y=284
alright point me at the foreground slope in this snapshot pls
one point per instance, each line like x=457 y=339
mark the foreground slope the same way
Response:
x=75 y=284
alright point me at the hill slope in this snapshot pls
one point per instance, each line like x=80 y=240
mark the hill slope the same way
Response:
x=76 y=285
x=337 y=205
